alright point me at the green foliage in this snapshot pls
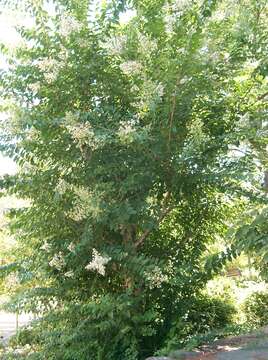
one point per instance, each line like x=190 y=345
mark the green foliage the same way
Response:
x=124 y=137
x=255 y=309
x=24 y=336
x=209 y=337
x=115 y=326
x=224 y=288
x=202 y=317
x=252 y=236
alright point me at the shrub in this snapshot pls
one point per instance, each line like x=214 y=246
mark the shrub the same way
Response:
x=24 y=336
x=215 y=334
x=222 y=287
x=208 y=313
x=255 y=308
x=204 y=315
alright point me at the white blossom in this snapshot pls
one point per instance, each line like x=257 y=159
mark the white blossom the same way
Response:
x=251 y=65
x=131 y=67
x=46 y=246
x=71 y=247
x=173 y=12
x=34 y=87
x=50 y=68
x=218 y=15
x=57 y=261
x=185 y=79
x=63 y=53
x=78 y=213
x=180 y=4
x=98 y=262
x=11 y=280
x=69 y=274
x=159 y=90
x=115 y=45
x=80 y=132
x=62 y=186
x=68 y=24
x=170 y=21
x=146 y=44
x=47 y=64
x=84 y=43
x=82 y=192
x=155 y=278
x=33 y=134
x=126 y=128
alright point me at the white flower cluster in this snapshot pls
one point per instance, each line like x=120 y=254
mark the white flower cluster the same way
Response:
x=57 y=261
x=33 y=134
x=46 y=247
x=155 y=278
x=69 y=274
x=131 y=67
x=50 y=68
x=82 y=192
x=146 y=44
x=172 y=13
x=24 y=350
x=80 y=132
x=126 y=128
x=115 y=45
x=159 y=90
x=83 y=43
x=68 y=25
x=63 y=53
x=62 y=187
x=98 y=263
x=251 y=65
x=180 y=4
x=71 y=247
x=34 y=87
x=78 y=213
x=11 y=280
x=170 y=21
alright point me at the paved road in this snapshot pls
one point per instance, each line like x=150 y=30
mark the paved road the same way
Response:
x=8 y=324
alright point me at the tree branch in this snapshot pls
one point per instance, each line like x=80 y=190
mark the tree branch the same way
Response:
x=162 y=215
x=173 y=106
x=261 y=97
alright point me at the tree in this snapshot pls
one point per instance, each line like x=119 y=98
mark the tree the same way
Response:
x=124 y=135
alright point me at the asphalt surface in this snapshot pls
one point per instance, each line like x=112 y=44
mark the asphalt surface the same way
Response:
x=8 y=324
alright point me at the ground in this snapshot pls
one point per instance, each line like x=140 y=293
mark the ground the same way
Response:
x=253 y=346
x=8 y=324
